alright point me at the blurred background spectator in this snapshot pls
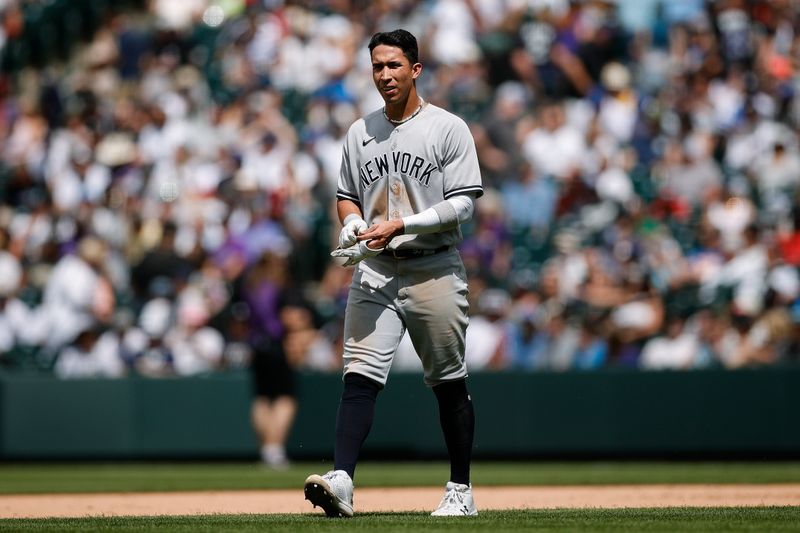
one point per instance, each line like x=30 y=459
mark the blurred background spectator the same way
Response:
x=640 y=157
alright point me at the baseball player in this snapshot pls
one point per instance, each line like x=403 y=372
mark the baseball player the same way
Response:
x=408 y=179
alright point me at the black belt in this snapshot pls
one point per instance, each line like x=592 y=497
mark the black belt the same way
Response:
x=409 y=253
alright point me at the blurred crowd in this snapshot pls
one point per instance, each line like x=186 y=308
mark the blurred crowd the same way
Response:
x=168 y=189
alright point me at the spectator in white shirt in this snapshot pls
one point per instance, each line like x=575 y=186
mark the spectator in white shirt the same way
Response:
x=678 y=349
x=553 y=147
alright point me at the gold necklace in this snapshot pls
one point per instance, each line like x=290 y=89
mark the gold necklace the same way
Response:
x=404 y=120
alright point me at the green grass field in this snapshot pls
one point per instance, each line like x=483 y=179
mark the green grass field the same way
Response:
x=619 y=520
x=146 y=477
x=133 y=477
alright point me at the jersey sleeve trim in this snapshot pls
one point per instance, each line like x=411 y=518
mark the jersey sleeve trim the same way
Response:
x=477 y=189
x=344 y=195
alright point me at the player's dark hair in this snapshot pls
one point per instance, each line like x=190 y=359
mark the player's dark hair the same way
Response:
x=399 y=38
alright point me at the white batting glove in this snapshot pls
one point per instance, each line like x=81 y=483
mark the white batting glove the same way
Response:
x=353 y=225
x=356 y=253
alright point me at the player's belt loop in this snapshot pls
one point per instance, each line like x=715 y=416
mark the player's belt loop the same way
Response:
x=410 y=253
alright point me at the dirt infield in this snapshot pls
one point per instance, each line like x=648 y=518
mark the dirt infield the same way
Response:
x=395 y=499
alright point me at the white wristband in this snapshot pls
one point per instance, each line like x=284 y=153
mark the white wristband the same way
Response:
x=425 y=222
x=443 y=216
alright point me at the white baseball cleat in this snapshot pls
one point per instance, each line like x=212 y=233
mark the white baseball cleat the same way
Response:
x=457 y=501
x=333 y=492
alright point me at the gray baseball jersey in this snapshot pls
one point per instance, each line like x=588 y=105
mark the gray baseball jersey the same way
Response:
x=393 y=171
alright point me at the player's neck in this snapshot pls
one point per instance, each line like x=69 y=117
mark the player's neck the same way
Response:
x=403 y=111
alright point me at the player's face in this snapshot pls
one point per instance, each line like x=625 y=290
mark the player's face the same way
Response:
x=393 y=73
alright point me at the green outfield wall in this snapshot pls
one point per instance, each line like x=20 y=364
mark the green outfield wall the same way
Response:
x=597 y=414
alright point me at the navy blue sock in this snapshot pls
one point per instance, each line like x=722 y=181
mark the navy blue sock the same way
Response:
x=457 y=418
x=354 y=420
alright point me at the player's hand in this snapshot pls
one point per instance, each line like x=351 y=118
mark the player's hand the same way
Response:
x=356 y=253
x=347 y=237
x=381 y=233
